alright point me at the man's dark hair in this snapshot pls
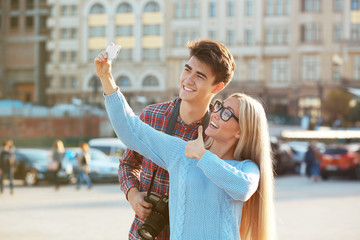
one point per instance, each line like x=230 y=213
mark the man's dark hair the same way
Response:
x=216 y=56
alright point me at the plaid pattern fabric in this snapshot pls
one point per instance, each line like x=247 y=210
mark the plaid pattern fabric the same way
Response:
x=136 y=171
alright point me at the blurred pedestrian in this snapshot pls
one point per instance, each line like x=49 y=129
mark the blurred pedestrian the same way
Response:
x=312 y=160
x=84 y=160
x=7 y=162
x=58 y=154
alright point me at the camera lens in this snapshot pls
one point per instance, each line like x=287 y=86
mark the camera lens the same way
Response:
x=145 y=234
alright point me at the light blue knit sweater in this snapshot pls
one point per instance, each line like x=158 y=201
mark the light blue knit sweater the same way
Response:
x=205 y=197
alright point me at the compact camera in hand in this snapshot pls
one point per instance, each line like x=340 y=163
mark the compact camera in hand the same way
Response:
x=159 y=216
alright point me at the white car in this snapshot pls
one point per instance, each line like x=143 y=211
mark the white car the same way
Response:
x=112 y=147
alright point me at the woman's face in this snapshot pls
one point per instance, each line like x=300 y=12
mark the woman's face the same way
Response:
x=221 y=130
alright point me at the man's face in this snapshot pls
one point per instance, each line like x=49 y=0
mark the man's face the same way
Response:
x=196 y=82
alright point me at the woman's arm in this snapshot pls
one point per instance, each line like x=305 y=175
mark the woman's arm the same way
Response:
x=161 y=148
x=239 y=179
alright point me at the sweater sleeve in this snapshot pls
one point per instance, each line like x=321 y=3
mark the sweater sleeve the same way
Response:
x=161 y=148
x=240 y=179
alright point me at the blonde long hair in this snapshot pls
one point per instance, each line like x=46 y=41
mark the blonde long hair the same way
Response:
x=258 y=215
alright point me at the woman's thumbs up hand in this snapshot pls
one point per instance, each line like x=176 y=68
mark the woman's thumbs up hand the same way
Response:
x=196 y=148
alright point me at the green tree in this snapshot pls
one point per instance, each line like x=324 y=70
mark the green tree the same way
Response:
x=336 y=104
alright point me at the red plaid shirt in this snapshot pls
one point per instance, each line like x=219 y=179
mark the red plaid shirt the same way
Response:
x=136 y=171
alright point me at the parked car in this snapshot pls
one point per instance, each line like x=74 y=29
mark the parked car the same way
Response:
x=339 y=159
x=102 y=167
x=112 y=147
x=299 y=149
x=283 y=160
x=31 y=166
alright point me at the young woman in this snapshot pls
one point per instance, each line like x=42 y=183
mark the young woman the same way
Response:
x=221 y=191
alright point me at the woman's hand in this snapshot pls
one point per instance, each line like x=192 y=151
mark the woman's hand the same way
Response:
x=103 y=69
x=195 y=148
x=102 y=65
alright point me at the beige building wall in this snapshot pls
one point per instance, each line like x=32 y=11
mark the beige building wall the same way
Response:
x=154 y=49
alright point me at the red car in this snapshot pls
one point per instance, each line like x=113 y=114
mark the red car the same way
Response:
x=340 y=159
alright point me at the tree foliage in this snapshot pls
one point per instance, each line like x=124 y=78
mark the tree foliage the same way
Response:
x=336 y=104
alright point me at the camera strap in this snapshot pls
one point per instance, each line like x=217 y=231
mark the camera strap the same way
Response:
x=170 y=129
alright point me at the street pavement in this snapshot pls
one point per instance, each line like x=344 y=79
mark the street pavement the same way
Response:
x=305 y=211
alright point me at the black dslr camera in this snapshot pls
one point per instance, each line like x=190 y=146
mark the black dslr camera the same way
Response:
x=159 y=216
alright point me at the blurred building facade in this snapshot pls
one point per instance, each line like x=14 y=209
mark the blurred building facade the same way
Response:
x=23 y=38
x=289 y=53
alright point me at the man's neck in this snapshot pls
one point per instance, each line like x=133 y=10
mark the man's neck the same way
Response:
x=191 y=112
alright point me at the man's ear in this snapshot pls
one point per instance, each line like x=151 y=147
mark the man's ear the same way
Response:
x=218 y=87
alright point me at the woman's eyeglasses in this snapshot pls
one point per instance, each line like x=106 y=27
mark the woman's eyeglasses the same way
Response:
x=225 y=113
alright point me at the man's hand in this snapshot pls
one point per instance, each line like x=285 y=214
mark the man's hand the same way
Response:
x=195 y=148
x=138 y=204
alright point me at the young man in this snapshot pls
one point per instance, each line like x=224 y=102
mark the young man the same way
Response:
x=209 y=69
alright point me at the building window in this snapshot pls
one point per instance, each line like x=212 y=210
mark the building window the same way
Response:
x=269 y=36
x=355 y=4
x=338 y=5
x=311 y=5
x=73 y=10
x=186 y=36
x=63 y=82
x=195 y=9
x=279 y=7
x=126 y=54
x=29 y=23
x=63 y=56
x=357 y=67
x=278 y=36
x=94 y=53
x=14 y=23
x=177 y=39
x=124 y=8
x=30 y=4
x=212 y=34
x=151 y=53
x=310 y=68
x=14 y=4
x=152 y=7
x=64 y=11
x=74 y=82
x=230 y=37
x=249 y=38
x=97 y=31
x=73 y=56
x=125 y=30
x=97 y=9
x=186 y=10
x=150 y=81
x=73 y=33
x=194 y=35
x=287 y=7
x=230 y=8
x=286 y=36
x=151 y=30
x=251 y=70
x=280 y=70
x=269 y=7
x=178 y=10
x=311 y=33
x=337 y=32
x=212 y=9
x=123 y=81
x=249 y=8
x=355 y=32
x=63 y=33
